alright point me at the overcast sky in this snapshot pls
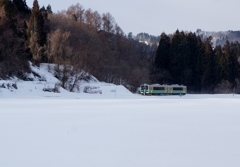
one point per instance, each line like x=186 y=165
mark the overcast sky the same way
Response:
x=157 y=16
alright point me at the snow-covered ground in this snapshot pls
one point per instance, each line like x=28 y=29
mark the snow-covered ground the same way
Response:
x=116 y=128
x=45 y=80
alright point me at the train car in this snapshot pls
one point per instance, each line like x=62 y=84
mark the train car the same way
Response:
x=144 y=89
x=177 y=90
x=157 y=89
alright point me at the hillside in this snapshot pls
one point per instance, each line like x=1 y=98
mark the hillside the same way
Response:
x=41 y=82
x=82 y=38
x=219 y=38
x=93 y=42
x=147 y=39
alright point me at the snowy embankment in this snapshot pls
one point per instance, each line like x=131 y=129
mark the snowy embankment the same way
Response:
x=115 y=128
x=43 y=78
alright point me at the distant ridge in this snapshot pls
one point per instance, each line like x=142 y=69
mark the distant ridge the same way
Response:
x=147 y=39
x=218 y=37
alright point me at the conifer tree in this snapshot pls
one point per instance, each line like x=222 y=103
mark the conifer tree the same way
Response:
x=13 y=52
x=160 y=70
x=177 y=57
x=32 y=27
x=21 y=5
x=37 y=23
x=209 y=75
x=49 y=9
x=9 y=8
x=190 y=60
x=37 y=32
x=226 y=65
x=41 y=27
x=220 y=63
x=3 y=2
x=233 y=63
x=199 y=69
x=162 y=55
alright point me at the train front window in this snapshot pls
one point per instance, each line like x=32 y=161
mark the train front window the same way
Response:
x=144 y=87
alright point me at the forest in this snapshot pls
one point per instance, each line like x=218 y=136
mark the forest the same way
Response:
x=83 y=39
x=184 y=58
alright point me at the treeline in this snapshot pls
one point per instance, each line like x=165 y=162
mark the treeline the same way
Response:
x=82 y=39
x=78 y=38
x=183 y=58
x=14 y=53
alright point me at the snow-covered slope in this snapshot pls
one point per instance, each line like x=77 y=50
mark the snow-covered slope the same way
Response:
x=42 y=78
x=220 y=38
x=147 y=39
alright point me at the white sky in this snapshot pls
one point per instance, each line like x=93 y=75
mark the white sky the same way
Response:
x=157 y=16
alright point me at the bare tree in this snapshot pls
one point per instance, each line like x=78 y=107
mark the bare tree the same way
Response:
x=89 y=18
x=77 y=12
x=108 y=23
x=59 y=49
x=97 y=20
x=106 y=54
x=118 y=30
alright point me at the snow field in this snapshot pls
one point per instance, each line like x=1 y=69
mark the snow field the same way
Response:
x=115 y=128
x=194 y=130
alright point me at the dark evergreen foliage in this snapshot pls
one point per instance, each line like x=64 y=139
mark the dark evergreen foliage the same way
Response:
x=40 y=28
x=195 y=63
x=162 y=55
x=37 y=23
x=49 y=9
x=13 y=51
x=22 y=7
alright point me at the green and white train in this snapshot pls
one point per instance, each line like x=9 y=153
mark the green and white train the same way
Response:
x=157 y=89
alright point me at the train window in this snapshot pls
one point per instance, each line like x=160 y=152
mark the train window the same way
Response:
x=158 y=88
x=180 y=88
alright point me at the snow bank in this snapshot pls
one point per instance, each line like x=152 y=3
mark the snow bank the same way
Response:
x=42 y=78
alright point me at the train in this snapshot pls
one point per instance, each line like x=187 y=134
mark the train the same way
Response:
x=157 y=89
